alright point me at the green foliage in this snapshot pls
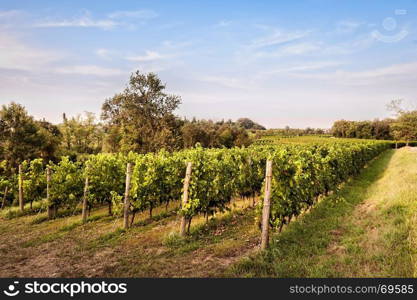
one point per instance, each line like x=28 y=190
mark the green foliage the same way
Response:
x=143 y=113
x=22 y=138
x=106 y=174
x=8 y=185
x=247 y=123
x=81 y=135
x=156 y=179
x=66 y=183
x=303 y=172
x=405 y=126
x=290 y=132
x=377 y=129
x=34 y=180
x=210 y=134
x=218 y=175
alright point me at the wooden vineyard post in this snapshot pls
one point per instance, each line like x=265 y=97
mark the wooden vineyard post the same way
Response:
x=185 y=197
x=48 y=194
x=4 y=197
x=266 y=206
x=85 y=200
x=126 y=200
x=21 y=200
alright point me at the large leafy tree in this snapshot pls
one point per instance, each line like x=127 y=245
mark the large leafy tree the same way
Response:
x=81 y=134
x=19 y=135
x=249 y=124
x=51 y=137
x=143 y=114
x=405 y=126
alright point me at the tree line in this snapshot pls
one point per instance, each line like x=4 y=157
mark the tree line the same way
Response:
x=402 y=127
x=291 y=132
x=141 y=119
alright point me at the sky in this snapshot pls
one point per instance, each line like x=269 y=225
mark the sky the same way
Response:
x=292 y=63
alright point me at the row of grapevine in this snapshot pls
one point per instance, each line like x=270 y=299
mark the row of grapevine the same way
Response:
x=300 y=174
x=219 y=175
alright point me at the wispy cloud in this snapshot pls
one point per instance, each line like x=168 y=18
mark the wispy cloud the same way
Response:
x=13 y=18
x=356 y=44
x=301 y=48
x=17 y=55
x=10 y=13
x=148 y=56
x=304 y=67
x=90 y=70
x=85 y=20
x=138 y=14
x=227 y=81
x=402 y=74
x=103 y=53
x=347 y=26
x=112 y=20
x=278 y=37
x=177 y=44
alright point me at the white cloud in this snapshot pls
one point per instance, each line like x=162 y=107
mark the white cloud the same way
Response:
x=149 y=56
x=90 y=70
x=347 y=26
x=348 y=47
x=278 y=37
x=16 y=55
x=81 y=21
x=308 y=66
x=292 y=49
x=103 y=53
x=138 y=14
x=396 y=75
x=301 y=48
x=112 y=20
x=176 y=45
x=10 y=13
x=226 y=81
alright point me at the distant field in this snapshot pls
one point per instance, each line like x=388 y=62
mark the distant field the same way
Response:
x=308 y=139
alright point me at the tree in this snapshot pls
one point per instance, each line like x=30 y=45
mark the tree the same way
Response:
x=247 y=123
x=340 y=128
x=377 y=129
x=20 y=138
x=363 y=130
x=81 y=135
x=51 y=139
x=143 y=112
x=381 y=129
x=405 y=126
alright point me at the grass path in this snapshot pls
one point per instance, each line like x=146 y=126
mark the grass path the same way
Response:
x=367 y=229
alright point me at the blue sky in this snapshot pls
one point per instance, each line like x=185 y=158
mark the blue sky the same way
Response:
x=296 y=63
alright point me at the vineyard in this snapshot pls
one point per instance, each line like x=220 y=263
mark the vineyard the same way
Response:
x=207 y=180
